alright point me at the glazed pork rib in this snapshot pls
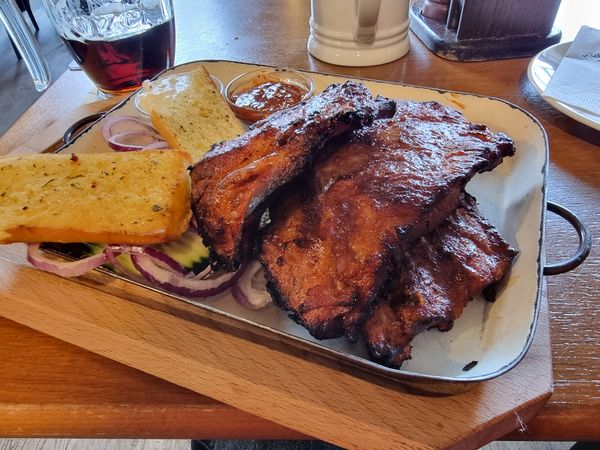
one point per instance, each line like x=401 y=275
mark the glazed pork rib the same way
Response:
x=331 y=241
x=231 y=183
x=437 y=277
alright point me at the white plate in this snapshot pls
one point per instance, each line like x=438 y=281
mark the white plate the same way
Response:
x=540 y=71
x=512 y=197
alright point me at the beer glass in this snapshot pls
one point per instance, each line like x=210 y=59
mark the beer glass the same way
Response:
x=117 y=43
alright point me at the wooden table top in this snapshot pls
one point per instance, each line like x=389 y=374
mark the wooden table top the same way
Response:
x=50 y=388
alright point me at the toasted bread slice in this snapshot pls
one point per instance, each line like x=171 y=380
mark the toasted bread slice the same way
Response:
x=127 y=198
x=196 y=117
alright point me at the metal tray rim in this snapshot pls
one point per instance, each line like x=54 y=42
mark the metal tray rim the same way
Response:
x=335 y=354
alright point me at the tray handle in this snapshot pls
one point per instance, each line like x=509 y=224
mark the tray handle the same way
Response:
x=585 y=241
x=78 y=127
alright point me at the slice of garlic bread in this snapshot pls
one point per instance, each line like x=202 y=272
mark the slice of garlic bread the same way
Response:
x=127 y=198
x=196 y=117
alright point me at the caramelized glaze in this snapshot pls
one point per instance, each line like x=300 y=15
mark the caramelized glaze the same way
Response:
x=435 y=280
x=231 y=185
x=333 y=236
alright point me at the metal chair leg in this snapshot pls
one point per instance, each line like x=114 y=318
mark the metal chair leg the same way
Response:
x=30 y=14
x=24 y=5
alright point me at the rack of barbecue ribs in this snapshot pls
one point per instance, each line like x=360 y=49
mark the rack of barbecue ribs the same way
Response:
x=361 y=203
x=231 y=184
x=434 y=280
x=330 y=246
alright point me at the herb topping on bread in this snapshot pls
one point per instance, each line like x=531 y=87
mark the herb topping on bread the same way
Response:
x=126 y=198
x=196 y=117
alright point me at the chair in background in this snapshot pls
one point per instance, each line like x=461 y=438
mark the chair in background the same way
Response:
x=24 y=6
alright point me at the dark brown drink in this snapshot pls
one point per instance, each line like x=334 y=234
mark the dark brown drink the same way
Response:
x=120 y=65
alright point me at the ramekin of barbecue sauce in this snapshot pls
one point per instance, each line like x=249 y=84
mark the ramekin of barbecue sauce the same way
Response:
x=255 y=95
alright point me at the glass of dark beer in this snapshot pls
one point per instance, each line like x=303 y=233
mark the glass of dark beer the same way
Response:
x=117 y=43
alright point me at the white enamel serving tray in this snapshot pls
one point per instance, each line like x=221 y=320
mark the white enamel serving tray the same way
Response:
x=539 y=72
x=495 y=335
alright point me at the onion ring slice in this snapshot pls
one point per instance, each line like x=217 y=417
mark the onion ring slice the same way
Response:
x=250 y=289
x=63 y=268
x=111 y=123
x=120 y=141
x=180 y=284
x=119 y=130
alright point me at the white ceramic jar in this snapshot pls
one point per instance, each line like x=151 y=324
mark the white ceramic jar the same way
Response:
x=358 y=32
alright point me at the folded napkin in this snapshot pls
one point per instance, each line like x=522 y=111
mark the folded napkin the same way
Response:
x=576 y=81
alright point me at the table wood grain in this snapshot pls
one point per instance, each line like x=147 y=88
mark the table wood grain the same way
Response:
x=274 y=32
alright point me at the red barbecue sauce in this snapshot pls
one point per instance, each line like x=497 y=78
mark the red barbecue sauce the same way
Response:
x=259 y=101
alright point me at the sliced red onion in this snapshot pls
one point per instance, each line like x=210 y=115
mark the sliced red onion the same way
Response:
x=165 y=259
x=155 y=266
x=125 y=248
x=180 y=284
x=250 y=289
x=156 y=145
x=121 y=142
x=63 y=268
x=117 y=124
x=111 y=257
x=119 y=131
x=205 y=273
x=161 y=257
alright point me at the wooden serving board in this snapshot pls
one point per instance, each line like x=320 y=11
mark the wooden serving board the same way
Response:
x=181 y=344
x=193 y=348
